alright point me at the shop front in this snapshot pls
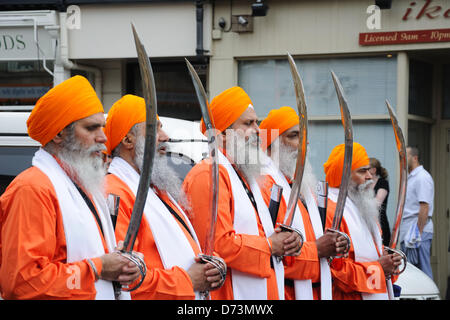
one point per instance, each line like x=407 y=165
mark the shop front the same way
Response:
x=401 y=54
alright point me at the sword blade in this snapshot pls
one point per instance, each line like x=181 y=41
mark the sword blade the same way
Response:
x=208 y=246
x=401 y=147
x=348 y=153
x=148 y=88
x=301 y=155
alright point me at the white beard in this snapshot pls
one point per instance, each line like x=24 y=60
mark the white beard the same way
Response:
x=364 y=199
x=163 y=175
x=285 y=157
x=246 y=154
x=81 y=165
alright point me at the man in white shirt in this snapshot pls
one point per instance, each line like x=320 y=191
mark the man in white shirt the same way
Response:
x=416 y=230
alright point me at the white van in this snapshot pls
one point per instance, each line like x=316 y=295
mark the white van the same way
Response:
x=186 y=147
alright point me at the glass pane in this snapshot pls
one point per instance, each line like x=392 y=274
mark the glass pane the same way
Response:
x=420 y=88
x=367 y=83
x=23 y=82
x=419 y=135
x=446 y=92
x=174 y=89
x=14 y=160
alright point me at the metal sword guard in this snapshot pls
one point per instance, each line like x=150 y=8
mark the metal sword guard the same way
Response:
x=347 y=247
x=219 y=264
x=286 y=228
x=140 y=263
x=401 y=254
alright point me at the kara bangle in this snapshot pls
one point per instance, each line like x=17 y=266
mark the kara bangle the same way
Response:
x=270 y=246
x=94 y=268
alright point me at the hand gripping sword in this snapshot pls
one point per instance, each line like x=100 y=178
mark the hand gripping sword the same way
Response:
x=348 y=155
x=401 y=147
x=148 y=88
x=208 y=246
x=301 y=153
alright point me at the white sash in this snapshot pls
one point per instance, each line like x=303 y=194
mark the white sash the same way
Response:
x=83 y=239
x=173 y=246
x=246 y=286
x=364 y=245
x=303 y=288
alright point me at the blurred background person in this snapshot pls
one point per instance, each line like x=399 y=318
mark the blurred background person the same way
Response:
x=381 y=188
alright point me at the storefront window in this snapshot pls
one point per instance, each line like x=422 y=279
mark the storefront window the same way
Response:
x=13 y=160
x=174 y=89
x=367 y=83
x=22 y=83
x=420 y=88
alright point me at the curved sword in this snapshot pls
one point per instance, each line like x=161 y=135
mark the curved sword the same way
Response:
x=348 y=155
x=301 y=152
x=401 y=147
x=148 y=88
x=208 y=245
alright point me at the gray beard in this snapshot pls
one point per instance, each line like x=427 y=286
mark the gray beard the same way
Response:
x=363 y=197
x=83 y=167
x=285 y=157
x=163 y=175
x=246 y=155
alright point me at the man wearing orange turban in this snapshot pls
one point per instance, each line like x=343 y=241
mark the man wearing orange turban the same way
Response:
x=57 y=238
x=245 y=237
x=166 y=238
x=363 y=272
x=308 y=275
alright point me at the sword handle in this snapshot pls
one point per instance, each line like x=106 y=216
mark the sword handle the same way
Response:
x=285 y=228
x=322 y=200
x=404 y=258
x=219 y=264
x=140 y=263
x=347 y=247
x=113 y=201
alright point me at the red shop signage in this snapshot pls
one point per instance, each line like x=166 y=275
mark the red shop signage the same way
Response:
x=401 y=37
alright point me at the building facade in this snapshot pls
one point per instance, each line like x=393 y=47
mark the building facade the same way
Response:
x=401 y=54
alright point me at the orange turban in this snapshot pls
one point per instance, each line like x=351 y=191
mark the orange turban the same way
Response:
x=227 y=107
x=122 y=116
x=335 y=164
x=277 y=122
x=69 y=101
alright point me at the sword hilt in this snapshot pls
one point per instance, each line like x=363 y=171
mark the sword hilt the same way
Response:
x=347 y=247
x=404 y=258
x=219 y=264
x=285 y=228
x=140 y=263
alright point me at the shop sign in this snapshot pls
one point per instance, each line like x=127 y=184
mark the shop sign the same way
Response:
x=404 y=37
x=19 y=44
x=22 y=93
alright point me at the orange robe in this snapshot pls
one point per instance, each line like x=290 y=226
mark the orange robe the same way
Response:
x=350 y=278
x=306 y=265
x=33 y=245
x=159 y=283
x=247 y=253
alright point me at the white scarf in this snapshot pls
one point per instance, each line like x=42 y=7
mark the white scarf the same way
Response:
x=83 y=239
x=303 y=288
x=246 y=286
x=173 y=246
x=364 y=245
